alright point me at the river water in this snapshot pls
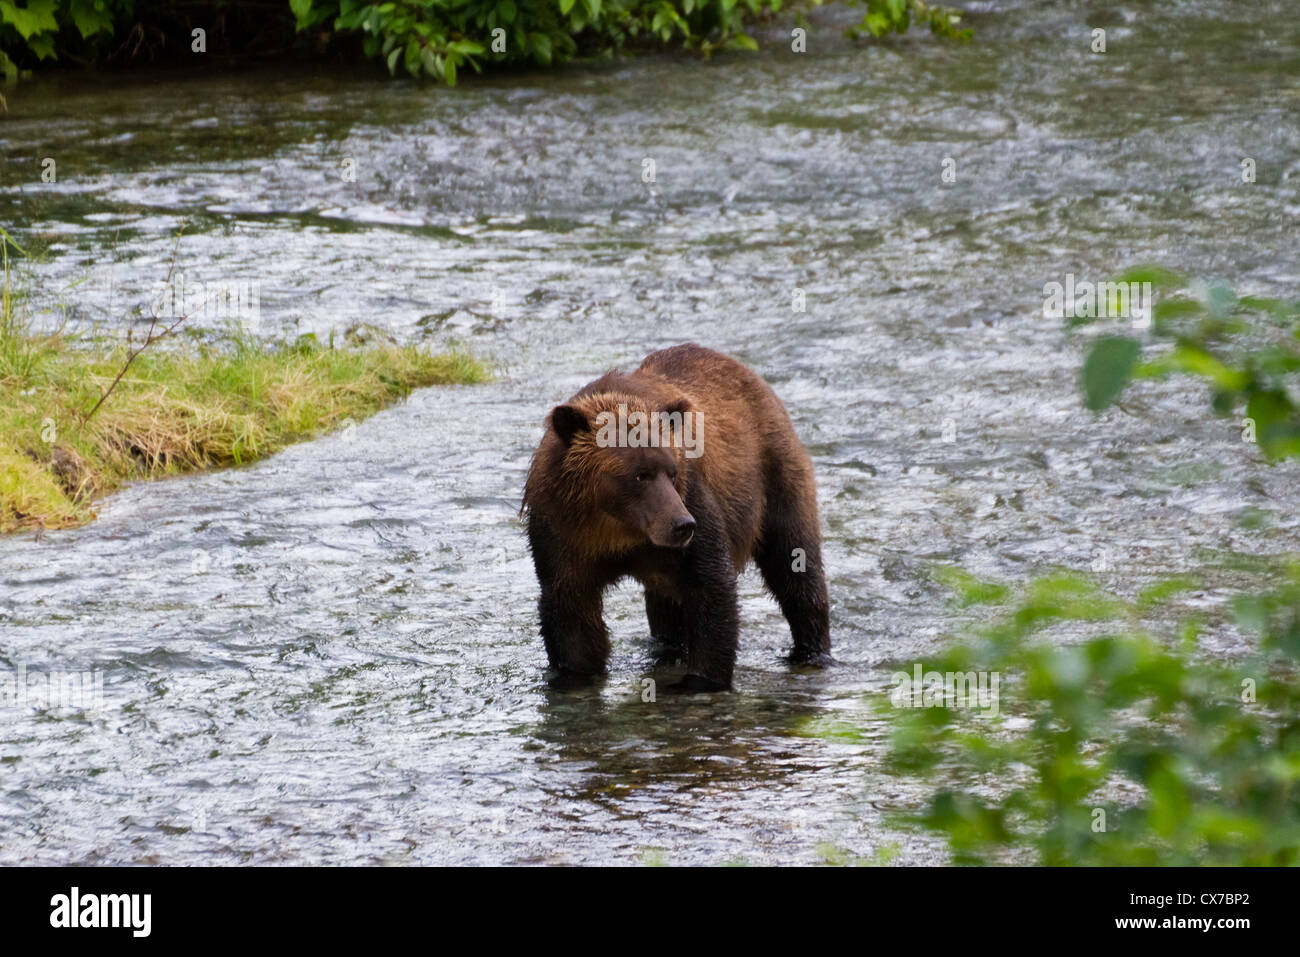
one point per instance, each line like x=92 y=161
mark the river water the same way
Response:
x=331 y=656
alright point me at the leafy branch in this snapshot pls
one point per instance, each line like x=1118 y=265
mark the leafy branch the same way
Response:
x=1247 y=348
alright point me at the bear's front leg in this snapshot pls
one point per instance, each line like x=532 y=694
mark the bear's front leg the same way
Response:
x=710 y=608
x=573 y=629
x=570 y=608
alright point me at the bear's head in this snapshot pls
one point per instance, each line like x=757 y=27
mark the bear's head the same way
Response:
x=625 y=459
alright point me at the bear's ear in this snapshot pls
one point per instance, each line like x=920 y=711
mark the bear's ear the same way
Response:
x=568 y=421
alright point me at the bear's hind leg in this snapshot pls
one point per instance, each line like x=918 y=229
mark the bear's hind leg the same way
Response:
x=790 y=559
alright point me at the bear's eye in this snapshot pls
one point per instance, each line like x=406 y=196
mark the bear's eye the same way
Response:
x=644 y=475
x=672 y=475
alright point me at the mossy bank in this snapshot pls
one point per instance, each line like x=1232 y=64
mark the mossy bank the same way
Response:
x=184 y=406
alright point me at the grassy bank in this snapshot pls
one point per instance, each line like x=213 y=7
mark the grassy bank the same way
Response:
x=184 y=407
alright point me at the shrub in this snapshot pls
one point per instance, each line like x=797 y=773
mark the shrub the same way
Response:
x=1118 y=747
x=1116 y=750
x=432 y=38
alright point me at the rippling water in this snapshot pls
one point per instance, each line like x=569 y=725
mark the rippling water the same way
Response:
x=331 y=656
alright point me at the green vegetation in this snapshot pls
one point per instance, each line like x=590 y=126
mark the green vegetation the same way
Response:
x=434 y=38
x=175 y=409
x=36 y=30
x=1116 y=740
x=1116 y=750
x=1247 y=348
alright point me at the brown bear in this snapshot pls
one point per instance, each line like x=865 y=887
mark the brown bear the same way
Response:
x=676 y=475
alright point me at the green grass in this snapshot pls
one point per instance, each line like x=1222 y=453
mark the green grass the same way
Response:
x=182 y=406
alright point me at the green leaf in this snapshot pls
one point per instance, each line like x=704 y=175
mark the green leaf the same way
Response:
x=43 y=46
x=90 y=17
x=541 y=45
x=971 y=590
x=302 y=12
x=4 y=236
x=1107 y=370
x=1191 y=358
x=430 y=63
x=1276 y=422
x=1168 y=309
x=1220 y=300
x=1158 y=276
x=35 y=18
x=877 y=24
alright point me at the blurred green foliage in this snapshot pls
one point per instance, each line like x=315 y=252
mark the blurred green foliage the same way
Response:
x=1247 y=348
x=882 y=17
x=435 y=39
x=1118 y=749
x=432 y=38
x=29 y=28
x=1111 y=744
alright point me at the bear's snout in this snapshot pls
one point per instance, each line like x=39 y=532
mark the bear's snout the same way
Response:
x=670 y=531
x=683 y=531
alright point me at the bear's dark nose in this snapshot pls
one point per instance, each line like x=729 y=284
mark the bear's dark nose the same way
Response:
x=683 y=529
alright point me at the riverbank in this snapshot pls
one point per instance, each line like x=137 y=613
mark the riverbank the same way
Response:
x=191 y=406
x=416 y=38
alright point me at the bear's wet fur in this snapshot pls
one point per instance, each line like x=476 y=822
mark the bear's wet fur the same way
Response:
x=682 y=521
